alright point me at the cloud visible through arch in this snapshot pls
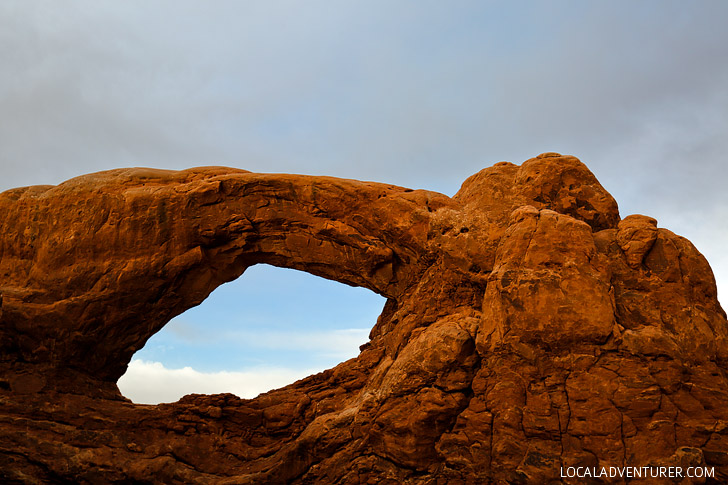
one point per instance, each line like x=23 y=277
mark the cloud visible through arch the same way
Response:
x=148 y=382
x=151 y=382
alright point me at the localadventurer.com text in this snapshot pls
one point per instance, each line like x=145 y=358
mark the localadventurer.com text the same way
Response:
x=637 y=472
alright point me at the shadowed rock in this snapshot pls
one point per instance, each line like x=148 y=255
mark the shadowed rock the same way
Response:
x=526 y=328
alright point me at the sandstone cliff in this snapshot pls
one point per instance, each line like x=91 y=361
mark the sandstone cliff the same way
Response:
x=527 y=327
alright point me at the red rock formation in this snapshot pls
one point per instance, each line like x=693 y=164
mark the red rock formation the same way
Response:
x=527 y=328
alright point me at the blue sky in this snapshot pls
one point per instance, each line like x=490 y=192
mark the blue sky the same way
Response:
x=264 y=330
x=306 y=321
x=420 y=94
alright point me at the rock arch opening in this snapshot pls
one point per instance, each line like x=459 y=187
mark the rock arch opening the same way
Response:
x=264 y=330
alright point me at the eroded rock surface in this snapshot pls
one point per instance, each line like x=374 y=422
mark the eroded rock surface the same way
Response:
x=527 y=328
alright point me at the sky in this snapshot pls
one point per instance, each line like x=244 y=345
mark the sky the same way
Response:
x=268 y=328
x=415 y=93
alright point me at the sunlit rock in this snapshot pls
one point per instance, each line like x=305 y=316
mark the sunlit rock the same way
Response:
x=527 y=329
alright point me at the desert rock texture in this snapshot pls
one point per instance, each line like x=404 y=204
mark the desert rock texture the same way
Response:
x=527 y=328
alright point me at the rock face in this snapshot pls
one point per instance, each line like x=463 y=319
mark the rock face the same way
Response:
x=527 y=328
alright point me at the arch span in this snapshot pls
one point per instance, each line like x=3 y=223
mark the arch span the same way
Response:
x=137 y=247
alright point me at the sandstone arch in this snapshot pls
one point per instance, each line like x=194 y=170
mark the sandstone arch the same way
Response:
x=135 y=247
x=526 y=327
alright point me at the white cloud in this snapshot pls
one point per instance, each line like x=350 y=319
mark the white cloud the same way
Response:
x=152 y=383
